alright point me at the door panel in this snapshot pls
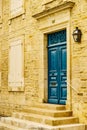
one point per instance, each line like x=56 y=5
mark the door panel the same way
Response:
x=57 y=72
x=53 y=75
x=63 y=85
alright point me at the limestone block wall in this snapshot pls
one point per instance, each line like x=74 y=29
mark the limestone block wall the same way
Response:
x=24 y=26
x=78 y=61
x=34 y=52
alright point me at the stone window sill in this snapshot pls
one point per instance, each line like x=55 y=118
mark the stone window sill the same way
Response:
x=16 y=89
x=47 y=2
x=13 y=16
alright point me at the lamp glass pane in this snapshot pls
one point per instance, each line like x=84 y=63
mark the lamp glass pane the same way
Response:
x=75 y=37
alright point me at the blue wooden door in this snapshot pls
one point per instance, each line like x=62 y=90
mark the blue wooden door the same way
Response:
x=57 y=68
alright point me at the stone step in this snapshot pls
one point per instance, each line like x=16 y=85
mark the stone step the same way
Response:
x=52 y=113
x=49 y=106
x=45 y=119
x=4 y=126
x=72 y=127
x=10 y=123
x=24 y=124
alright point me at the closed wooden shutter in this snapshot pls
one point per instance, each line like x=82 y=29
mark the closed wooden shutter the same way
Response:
x=12 y=66
x=16 y=6
x=16 y=64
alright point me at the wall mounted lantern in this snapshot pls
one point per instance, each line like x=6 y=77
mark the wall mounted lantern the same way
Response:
x=77 y=35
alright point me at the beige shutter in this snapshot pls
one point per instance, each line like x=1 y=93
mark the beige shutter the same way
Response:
x=0 y=64
x=16 y=6
x=16 y=64
x=12 y=66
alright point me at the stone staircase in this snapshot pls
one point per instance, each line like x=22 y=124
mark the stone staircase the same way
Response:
x=42 y=117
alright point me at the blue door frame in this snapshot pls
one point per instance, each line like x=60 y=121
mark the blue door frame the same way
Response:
x=57 y=68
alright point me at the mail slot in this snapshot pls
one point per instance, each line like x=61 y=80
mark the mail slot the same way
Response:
x=53 y=84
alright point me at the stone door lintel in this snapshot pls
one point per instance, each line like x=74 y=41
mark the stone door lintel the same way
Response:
x=57 y=8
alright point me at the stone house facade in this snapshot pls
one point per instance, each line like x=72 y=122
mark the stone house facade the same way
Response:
x=29 y=31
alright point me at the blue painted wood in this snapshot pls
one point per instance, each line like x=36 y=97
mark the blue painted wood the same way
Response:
x=57 y=37
x=57 y=68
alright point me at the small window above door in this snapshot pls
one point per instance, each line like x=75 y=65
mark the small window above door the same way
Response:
x=57 y=37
